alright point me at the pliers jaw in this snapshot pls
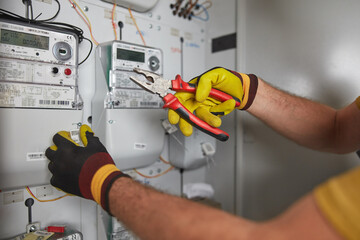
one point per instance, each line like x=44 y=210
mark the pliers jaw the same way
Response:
x=157 y=84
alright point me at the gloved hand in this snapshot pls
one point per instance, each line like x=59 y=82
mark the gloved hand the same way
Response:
x=239 y=85
x=87 y=171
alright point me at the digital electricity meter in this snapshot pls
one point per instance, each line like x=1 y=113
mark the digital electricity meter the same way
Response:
x=119 y=59
x=126 y=117
x=38 y=67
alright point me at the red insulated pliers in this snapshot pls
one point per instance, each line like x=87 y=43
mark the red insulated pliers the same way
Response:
x=160 y=86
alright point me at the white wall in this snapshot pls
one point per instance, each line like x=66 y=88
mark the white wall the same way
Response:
x=311 y=49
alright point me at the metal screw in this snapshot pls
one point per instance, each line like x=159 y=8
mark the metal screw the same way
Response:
x=32 y=228
x=86 y=8
x=111 y=121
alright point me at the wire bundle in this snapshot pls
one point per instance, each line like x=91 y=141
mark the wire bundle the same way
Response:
x=191 y=9
x=60 y=26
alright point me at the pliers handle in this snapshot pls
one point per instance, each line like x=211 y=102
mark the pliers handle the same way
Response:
x=173 y=103
x=179 y=85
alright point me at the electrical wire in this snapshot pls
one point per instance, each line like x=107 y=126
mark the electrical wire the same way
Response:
x=6 y=14
x=155 y=176
x=52 y=18
x=112 y=20
x=58 y=25
x=50 y=200
x=192 y=5
x=158 y=175
x=206 y=14
x=31 y=10
x=132 y=17
x=54 y=25
x=163 y=160
x=203 y=5
x=87 y=21
x=91 y=48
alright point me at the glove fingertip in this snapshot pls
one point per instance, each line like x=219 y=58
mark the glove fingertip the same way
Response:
x=50 y=151
x=215 y=122
x=203 y=89
x=173 y=117
x=85 y=133
x=185 y=128
x=53 y=147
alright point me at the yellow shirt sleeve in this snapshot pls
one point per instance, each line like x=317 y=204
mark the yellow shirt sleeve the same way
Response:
x=339 y=201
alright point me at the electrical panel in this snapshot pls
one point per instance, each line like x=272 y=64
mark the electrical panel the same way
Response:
x=125 y=117
x=38 y=96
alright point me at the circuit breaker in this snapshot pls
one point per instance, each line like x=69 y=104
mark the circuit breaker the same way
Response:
x=38 y=97
x=125 y=117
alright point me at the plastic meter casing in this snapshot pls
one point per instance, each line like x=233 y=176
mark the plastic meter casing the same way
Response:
x=125 y=117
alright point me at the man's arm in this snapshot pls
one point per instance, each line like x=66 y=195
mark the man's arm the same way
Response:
x=154 y=215
x=91 y=173
x=308 y=123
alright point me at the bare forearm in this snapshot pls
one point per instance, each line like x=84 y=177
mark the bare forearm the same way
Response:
x=308 y=123
x=154 y=215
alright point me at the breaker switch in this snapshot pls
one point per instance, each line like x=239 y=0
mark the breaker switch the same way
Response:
x=67 y=71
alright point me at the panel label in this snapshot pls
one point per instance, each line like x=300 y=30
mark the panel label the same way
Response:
x=35 y=156
x=36 y=96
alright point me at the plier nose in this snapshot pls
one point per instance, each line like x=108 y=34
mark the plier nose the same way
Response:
x=151 y=76
x=157 y=84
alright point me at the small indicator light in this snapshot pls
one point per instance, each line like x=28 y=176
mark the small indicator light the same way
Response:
x=67 y=71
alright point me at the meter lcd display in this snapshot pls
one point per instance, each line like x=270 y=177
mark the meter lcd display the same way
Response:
x=24 y=39
x=130 y=55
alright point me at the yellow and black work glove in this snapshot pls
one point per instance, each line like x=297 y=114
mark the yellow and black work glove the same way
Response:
x=87 y=171
x=239 y=85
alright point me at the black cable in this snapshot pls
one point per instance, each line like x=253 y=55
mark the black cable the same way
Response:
x=65 y=26
x=60 y=26
x=9 y=15
x=121 y=25
x=56 y=14
x=4 y=14
x=91 y=48
x=31 y=11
